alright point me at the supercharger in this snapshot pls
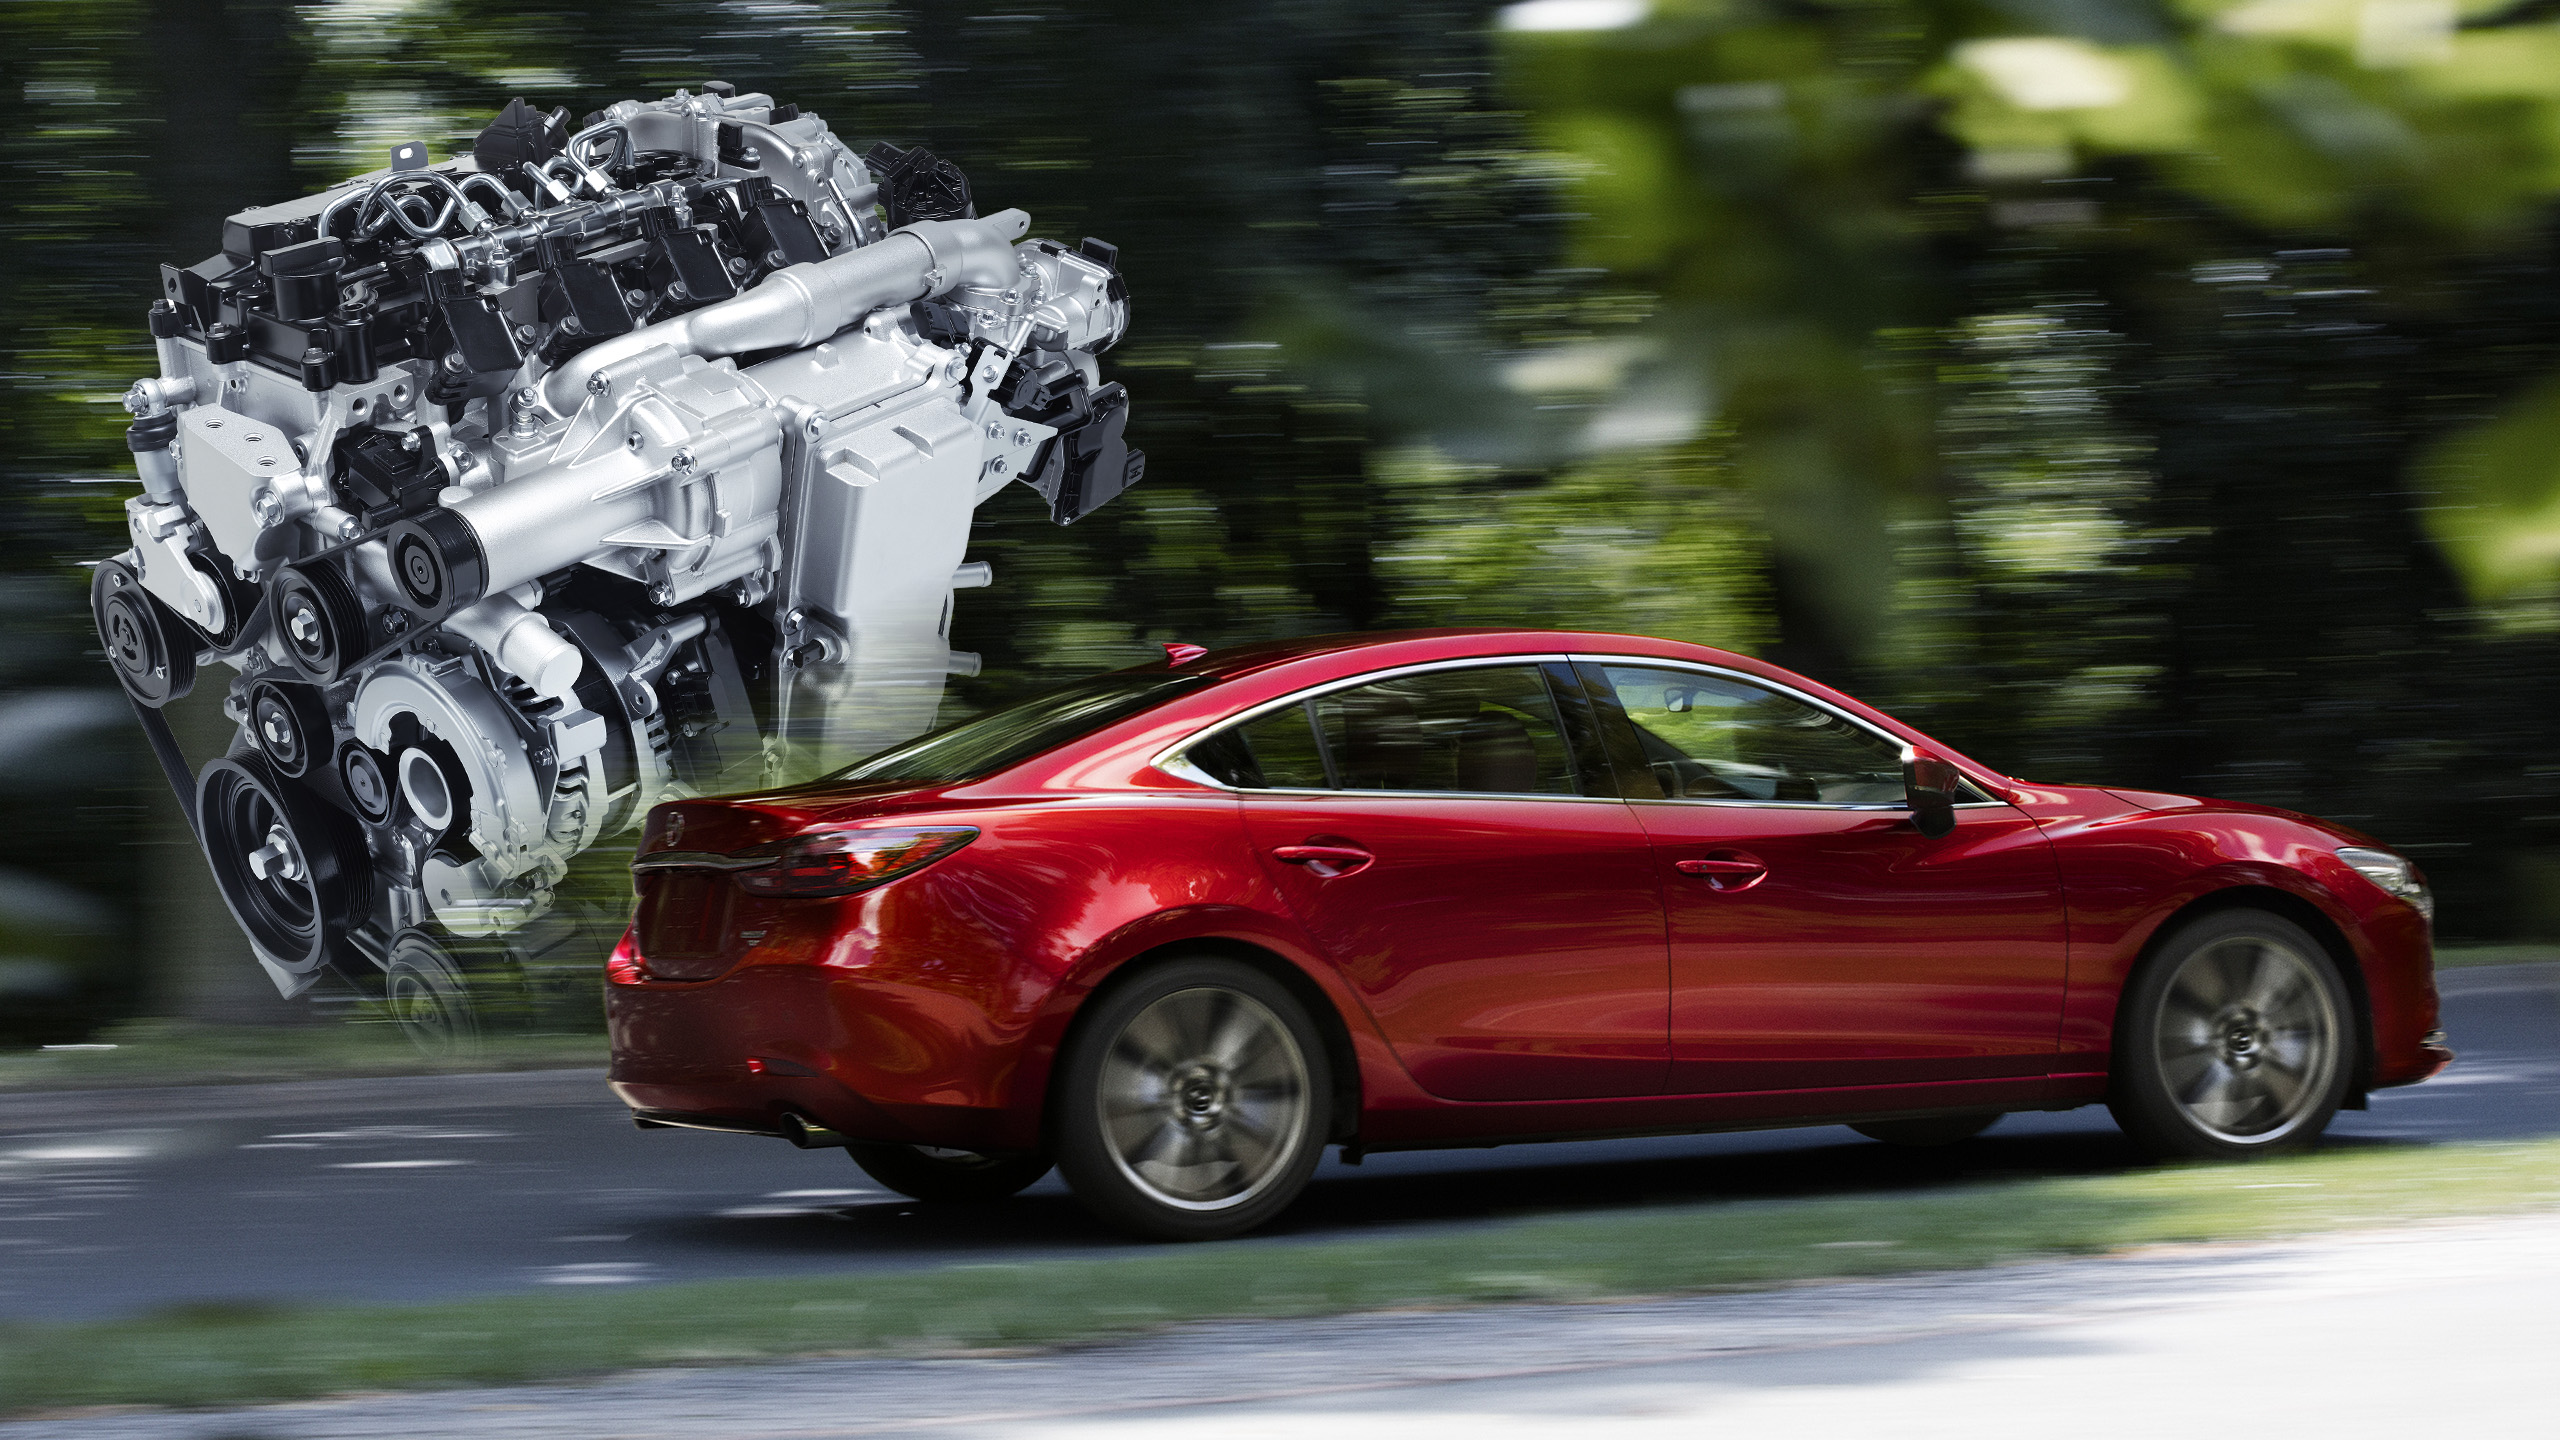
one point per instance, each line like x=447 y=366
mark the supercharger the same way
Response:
x=614 y=461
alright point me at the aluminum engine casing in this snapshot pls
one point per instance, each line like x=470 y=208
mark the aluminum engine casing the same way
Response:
x=603 y=465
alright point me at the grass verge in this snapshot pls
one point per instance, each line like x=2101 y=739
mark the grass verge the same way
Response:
x=162 y=1052
x=206 y=1356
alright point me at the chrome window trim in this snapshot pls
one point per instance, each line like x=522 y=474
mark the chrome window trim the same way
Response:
x=1173 y=761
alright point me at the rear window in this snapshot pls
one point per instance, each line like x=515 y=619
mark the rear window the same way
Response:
x=990 y=742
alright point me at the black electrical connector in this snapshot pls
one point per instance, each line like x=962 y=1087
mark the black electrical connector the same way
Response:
x=919 y=185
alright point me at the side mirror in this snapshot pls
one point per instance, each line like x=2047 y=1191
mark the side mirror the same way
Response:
x=1929 y=788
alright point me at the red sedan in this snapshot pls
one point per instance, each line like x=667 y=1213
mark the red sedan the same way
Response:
x=1177 y=928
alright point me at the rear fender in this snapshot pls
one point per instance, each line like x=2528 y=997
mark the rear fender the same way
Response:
x=1231 y=927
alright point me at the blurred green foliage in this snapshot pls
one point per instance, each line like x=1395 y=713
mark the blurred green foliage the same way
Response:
x=2162 y=393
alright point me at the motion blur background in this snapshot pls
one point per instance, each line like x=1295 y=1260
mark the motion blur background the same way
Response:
x=2165 y=394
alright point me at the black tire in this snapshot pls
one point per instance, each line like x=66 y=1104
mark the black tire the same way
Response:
x=921 y=1172
x=1192 y=1102
x=1927 y=1133
x=2235 y=1038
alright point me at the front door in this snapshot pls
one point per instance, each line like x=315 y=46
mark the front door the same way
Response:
x=1818 y=939
x=1452 y=850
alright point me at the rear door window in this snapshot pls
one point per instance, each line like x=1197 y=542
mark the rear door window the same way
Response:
x=1489 y=730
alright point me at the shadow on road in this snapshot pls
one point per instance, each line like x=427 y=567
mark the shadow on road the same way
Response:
x=1347 y=1201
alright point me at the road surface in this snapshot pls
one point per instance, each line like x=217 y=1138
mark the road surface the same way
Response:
x=116 y=1203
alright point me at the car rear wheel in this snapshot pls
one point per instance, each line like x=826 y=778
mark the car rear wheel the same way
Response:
x=2234 y=1039
x=1191 y=1104
x=926 y=1172
x=1927 y=1133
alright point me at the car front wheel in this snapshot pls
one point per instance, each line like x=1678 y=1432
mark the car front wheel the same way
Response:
x=2234 y=1039
x=1191 y=1104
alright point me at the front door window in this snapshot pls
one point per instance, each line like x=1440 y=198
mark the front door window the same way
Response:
x=1819 y=941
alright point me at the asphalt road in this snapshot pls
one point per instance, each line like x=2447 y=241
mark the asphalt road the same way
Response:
x=114 y=1203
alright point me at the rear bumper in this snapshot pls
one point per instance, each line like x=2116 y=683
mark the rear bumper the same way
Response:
x=822 y=1056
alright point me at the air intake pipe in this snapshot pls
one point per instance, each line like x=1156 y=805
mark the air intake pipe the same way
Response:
x=509 y=533
x=804 y=304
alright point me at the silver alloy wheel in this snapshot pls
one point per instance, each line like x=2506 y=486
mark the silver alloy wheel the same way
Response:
x=2248 y=1040
x=1203 y=1099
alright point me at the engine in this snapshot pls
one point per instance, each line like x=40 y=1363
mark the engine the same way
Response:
x=613 y=462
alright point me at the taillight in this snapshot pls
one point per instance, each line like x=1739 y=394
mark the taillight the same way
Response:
x=847 y=862
x=623 y=967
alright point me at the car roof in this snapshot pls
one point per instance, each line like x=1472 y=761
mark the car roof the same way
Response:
x=1314 y=659
x=1447 y=642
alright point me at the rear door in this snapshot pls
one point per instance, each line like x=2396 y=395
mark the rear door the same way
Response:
x=1818 y=939
x=1448 y=837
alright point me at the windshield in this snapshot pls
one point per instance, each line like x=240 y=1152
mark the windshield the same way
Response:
x=1000 y=737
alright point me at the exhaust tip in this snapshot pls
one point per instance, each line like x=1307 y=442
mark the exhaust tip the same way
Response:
x=808 y=1134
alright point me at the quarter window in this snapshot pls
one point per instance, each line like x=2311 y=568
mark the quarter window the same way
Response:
x=1714 y=737
x=1276 y=752
x=1490 y=730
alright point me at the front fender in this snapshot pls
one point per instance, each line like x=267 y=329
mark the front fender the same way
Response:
x=2128 y=877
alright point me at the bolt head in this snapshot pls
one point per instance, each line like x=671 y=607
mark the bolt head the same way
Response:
x=662 y=594
x=599 y=384
x=681 y=462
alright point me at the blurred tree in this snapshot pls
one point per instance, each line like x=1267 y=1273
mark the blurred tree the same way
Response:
x=2085 y=361
x=71 y=830
x=2154 y=393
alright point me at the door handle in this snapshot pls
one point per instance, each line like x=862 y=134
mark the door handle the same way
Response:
x=1726 y=870
x=1326 y=861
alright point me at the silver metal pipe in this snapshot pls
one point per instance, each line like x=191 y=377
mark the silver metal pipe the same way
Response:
x=620 y=133
x=531 y=527
x=804 y=304
x=509 y=202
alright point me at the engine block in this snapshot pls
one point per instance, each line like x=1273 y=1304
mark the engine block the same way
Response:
x=609 y=463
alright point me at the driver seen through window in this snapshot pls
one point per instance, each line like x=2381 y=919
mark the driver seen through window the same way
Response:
x=1713 y=737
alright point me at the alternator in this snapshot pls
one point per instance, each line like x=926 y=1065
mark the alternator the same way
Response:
x=607 y=464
